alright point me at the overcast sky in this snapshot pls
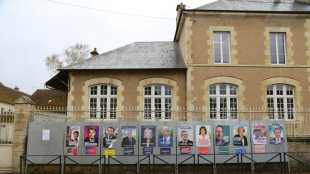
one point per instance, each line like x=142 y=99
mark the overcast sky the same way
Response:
x=34 y=29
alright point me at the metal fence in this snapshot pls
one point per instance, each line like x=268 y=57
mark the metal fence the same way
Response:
x=235 y=163
x=296 y=126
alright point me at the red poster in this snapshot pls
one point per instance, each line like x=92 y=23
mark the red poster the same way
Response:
x=185 y=150
x=259 y=148
x=203 y=150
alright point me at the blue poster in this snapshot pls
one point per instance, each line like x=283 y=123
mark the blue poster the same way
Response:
x=147 y=150
x=165 y=137
x=240 y=150
x=165 y=151
x=129 y=151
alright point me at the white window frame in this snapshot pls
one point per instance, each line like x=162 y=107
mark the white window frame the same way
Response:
x=230 y=111
x=165 y=113
x=273 y=112
x=277 y=35
x=221 y=47
x=99 y=112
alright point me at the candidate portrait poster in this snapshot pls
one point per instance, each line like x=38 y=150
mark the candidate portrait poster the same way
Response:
x=240 y=133
x=91 y=134
x=203 y=135
x=73 y=136
x=165 y=136
x=185 y=135
x=276 y=134
x=222 y=136
x=148 y=136
x=129 y=136
x=109 y=136
x=259 y=133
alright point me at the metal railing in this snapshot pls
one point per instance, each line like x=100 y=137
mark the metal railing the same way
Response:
x=296 y=127
x=53 y=165
x=193 y=163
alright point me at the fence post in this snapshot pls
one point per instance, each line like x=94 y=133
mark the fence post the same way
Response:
x=21 y=164
x=23 y=111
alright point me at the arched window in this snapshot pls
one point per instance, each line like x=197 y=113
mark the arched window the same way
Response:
x=223 y=99
x=157 y=102
x=280 y=101
x=103 y=101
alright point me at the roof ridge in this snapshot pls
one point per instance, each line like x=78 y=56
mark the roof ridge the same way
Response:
x=151 y=41
x=16 y=90
x=270 y=2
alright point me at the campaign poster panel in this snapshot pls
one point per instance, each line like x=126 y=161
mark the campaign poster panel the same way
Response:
x=90 y=151
x=222 y=133
x=203 y=134
x=165 y=151
x=91 y=136
x=276 y=134
x=240 y=133
x=148 y=136
x=46 y=134
x=259 y=149
x=109 y=136
x=129 y=151
x=165 y=136
x=185 y=137
x=110 y=153
x=259 y=133
x=185 y=150
x=203 y=150
x=72 y=151
x=73 y=136
x=147 y=150
x=129 y=136
x=240 y=150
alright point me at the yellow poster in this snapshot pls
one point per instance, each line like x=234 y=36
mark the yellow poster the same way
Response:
x=109 y=153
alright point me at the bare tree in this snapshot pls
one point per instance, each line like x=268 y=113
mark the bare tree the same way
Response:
x=73 y=54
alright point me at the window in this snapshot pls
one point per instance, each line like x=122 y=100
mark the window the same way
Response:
x=2 y=110
x=277 y=48
x=6 y=134
x=223 y=101
x=221 y=46
x=280 y=101
x=157 y=102
x=103 y=102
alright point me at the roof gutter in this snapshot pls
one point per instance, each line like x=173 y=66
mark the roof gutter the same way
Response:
x=178 y=26
x=61 y=81
x=234 y=11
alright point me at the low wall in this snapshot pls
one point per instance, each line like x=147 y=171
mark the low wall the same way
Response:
x=6 y=157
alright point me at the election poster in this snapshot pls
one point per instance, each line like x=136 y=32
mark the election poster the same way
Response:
x=259 y=133
x=203 y=135
x=91 y=136
x=240 y=135
x=185 y=135
x=109 y=136
x=73 y=136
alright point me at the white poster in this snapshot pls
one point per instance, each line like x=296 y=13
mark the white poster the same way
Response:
x=45 y=135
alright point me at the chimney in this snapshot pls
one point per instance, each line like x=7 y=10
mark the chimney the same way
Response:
x=94 y=53
x=179 y=9
x=16 y=88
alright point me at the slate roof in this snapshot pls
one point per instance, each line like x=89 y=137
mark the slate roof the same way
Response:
x=45 y=97
x=9 y=95
x=138 y=55
x=257 y=6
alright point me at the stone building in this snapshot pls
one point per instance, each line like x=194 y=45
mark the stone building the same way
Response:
x=226 y=57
